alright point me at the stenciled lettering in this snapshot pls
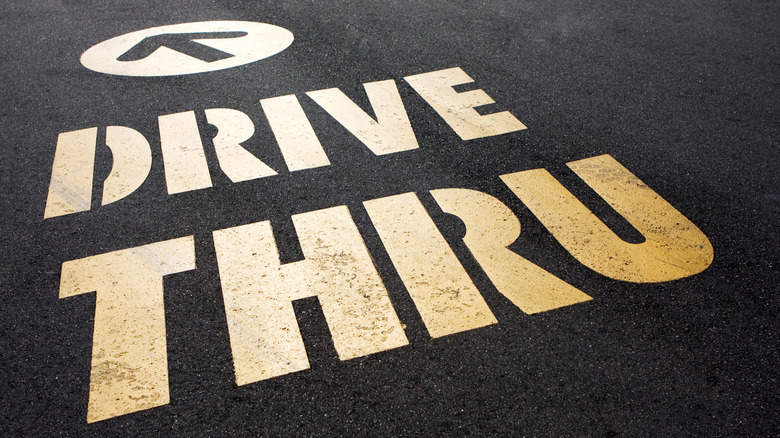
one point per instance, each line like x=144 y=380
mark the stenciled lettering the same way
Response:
x=184 y=159
x=258 y=290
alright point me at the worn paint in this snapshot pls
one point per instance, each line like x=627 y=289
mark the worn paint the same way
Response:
x=129 y=355
x=183 y=156
x=490 y=228
x=441 y=289
x=234 y=128
x=294 y=134
x=390 y=132
x=674 y=247
x=258 y=292
x=457 y=109
x=132 y=161
x=70 y=189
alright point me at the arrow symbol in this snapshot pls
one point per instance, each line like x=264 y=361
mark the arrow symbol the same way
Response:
x=182 y=43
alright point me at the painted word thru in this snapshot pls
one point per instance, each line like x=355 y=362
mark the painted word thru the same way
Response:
x=258 y=290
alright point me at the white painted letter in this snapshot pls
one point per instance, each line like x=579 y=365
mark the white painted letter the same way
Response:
x=390 y=132
x=129 y=355
x=235 y=128
x=457 y=109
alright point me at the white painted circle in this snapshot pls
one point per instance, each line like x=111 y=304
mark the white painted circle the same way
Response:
x=261 y=41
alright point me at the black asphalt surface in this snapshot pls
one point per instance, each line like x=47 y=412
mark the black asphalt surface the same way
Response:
x=684 y=94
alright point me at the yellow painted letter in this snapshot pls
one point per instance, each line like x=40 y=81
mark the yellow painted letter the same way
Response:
x=258 y=292
x=70 y=189
x=129 y=355
x=444 y=294
x=296 y=138
x=457 y=109
x=132 y=162
x=235 y=128
x=490 y=228
x=674 y=247
x=183 y=157
x=390 y=132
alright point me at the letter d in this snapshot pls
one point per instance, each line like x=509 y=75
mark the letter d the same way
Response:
x=70 y=189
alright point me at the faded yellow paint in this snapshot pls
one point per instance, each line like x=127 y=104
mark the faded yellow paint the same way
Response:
x=457 y=109
x=183 y=156
x=234 y=128
x=441 y=289
x=70 y=189
x=390 y=132
x=129 y=356
x=490 y=228
x=258 y=292
x=132 y=161
x=674 y=247
x=294 y=134
x=261 y=40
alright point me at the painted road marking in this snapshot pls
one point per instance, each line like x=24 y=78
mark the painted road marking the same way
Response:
x=132 y=157
x=674 y=247
x=458 y=109
x=184 y=157
x=184 y=43
x=490 y=228
x=294 y=134
x=70 y=187
x=129 y=353
x=234 y=128
x=129 y=361
x=441 y=289
x=209 y=46
x=390 y=132
x=258 y=290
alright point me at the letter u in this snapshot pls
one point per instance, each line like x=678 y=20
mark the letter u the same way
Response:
x=674 y=247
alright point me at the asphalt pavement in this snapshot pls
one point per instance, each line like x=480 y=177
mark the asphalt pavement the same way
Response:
x=684 y=96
